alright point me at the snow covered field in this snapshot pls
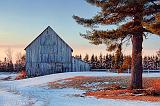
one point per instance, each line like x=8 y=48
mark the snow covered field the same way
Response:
x=7 y=74
x=35 y=92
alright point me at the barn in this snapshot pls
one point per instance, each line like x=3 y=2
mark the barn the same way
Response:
x=79 y=65
x=48 y=54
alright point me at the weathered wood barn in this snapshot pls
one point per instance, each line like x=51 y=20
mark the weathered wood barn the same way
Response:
x=79 y=65
x=48 y=54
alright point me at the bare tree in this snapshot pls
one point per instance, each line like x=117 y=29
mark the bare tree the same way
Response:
x=9 y=54
x=18 y=57
x=8 y=60
x=158 y=53
x=20 y=61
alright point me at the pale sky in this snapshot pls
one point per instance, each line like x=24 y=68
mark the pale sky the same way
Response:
x=23 y=20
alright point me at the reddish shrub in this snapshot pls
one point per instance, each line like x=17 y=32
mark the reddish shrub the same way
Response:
x=21 y=75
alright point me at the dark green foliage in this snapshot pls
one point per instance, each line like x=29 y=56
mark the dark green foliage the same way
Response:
x=109 y=61
x=86 y=58
x=131 y=16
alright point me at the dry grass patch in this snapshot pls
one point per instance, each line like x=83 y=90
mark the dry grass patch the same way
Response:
x=91 y=83
x=112 y=87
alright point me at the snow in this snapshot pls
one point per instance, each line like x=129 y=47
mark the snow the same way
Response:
x=64 y=97
x=4 y=75
x=10 y=99
x=34 y=91
x=55 y=77
x=96 y=83
x=92 y=84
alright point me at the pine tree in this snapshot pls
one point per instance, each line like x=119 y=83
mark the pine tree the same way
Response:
x=154 y=25
x=100 y=61
x=145 y=63
x=96 y=62
x=118 y=58
x=86 y=58
x=132 y=18
x=113 y=63
x=110 y=61
x=107 y=62
x=92 y=61
x=5 y=64
x=127 y=62
x=158 y=59
x=156 y=62
x=104 y=62
x=80 y=57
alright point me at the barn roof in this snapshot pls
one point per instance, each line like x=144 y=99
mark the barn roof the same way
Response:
x=43 y=32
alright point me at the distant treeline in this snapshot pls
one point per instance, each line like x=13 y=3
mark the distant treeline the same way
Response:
x=110 y=61
x=6 y=65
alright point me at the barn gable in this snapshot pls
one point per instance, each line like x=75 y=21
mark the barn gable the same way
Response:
x=48 y=31
x=48 y=54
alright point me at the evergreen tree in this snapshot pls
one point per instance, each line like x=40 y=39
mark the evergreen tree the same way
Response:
x=76 y=56
x=157 y=63
x=107 y=62
x=118 y=58
x=104 y=62
x=127 y=62
x=113 y=63
x=86 y=58
x=110 y=61
x=96 y=63
x=145 y=63
x=5 y=64
x=80 y=57
x=100 y=61
x=92 y=61
x=132 y=18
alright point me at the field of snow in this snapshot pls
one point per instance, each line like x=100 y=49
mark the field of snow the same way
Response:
x=7 y=74
x=35 y=92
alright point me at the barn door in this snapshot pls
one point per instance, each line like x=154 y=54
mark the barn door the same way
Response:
x=58 y=67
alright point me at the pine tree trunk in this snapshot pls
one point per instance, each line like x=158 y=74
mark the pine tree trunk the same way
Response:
x=137 y=69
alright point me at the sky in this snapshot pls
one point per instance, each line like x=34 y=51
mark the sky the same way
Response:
x=23 y=20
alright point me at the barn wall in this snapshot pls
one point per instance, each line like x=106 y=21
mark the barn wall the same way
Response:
x=79 y=65
x=48 y=54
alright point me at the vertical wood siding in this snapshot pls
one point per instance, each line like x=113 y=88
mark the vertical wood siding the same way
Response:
x=79 y=65
x=48 y=54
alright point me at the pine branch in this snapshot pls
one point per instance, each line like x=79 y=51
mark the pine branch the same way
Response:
x=154 y=26
x=104 y=3
x=84 y=22
x=142 y=18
